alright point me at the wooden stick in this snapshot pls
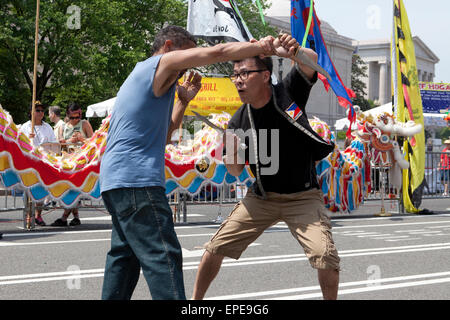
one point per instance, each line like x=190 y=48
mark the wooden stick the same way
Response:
x=36 y=40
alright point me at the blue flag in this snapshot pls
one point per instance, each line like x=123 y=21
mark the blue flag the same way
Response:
x=300 y=14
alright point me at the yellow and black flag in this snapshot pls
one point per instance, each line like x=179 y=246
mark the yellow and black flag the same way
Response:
x=407 y=104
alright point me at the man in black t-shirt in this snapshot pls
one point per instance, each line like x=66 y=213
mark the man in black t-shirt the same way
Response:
x=281 y=149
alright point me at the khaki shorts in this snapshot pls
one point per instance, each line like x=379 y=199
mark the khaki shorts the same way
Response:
x=303 y=212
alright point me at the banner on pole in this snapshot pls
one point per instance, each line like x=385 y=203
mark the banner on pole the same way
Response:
x=435 y=97
x=408 y=106
x=217 y=95
x=216 y=21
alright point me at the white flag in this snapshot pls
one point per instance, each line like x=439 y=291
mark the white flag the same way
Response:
x=215 y=21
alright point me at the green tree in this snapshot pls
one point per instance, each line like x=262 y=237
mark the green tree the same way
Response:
x=87 y=48
x=359 y=71
x=444 y=134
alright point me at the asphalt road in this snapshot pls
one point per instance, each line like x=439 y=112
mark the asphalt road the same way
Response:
x=402 y=257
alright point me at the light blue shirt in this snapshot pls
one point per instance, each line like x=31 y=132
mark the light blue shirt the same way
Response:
x=134 y=155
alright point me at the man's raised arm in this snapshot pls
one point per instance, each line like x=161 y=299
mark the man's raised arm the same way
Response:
x=172 y=63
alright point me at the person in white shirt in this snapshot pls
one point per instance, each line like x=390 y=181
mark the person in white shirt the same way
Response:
x=54 y=114
x=42 y=133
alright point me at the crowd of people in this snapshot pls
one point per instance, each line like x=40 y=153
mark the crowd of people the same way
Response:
x=67 y=134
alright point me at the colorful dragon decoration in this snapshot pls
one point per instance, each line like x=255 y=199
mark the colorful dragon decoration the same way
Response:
x=344 y=176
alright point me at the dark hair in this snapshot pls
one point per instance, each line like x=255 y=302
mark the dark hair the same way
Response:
x=177 y=35
x=265 y=63
x=71 y=107
x=37 y=104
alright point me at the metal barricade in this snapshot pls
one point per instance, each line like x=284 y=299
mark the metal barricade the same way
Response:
x=209 y=194
x=17 y=200
x=11 y=200
x=435 y=176
x=434 y=187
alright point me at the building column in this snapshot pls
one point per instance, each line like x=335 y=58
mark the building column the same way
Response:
x=383 y=83
x=424 y=76
x=430 y=77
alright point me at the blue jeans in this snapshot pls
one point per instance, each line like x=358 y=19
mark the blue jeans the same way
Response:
x=143 y=236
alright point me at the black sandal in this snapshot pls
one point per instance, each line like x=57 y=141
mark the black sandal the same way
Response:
x=75 y=222
x=59 y=223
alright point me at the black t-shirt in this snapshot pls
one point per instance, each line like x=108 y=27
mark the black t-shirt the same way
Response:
x=296 y=171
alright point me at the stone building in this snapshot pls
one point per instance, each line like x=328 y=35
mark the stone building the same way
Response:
x=377 y=54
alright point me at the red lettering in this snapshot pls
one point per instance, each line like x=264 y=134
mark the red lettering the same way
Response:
x=293 y=13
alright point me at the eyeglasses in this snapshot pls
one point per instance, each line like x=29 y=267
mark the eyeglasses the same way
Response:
x=244 y=74
x=40 y=110
x=74 y=118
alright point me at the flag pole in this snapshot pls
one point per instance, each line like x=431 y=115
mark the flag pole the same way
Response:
x=36 y=41
x=308 y=26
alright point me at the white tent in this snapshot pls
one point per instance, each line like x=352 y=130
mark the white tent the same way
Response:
x=430 y=119
x=344 y=123
x=101 y=109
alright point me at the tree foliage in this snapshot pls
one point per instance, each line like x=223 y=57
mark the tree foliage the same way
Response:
x=85 y=60
x=359 y=71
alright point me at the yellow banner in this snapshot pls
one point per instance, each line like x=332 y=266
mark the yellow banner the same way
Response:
x=408 y=104
x=217 y=95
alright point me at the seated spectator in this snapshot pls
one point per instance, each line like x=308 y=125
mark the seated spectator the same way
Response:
x=54 y=114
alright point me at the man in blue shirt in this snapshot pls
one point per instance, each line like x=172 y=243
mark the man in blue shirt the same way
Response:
x=132 y=168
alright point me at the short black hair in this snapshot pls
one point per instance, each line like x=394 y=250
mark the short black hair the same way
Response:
x=177 y=35
x=265 y=63
x=72 y=106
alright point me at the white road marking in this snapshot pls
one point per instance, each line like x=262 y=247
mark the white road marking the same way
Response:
x=192 y=253
x=401 y=223
x=359 y=234
x=347 y=232
x=13 y=244
x=108 y=218
x=195 y=235
x=367 y=283
x=409 y=239
x=389 y=218
x=198 y=253
x=16 y=244
x=425 y=232
x=369 y=289
x=92 y=273
x=105 y=218
x=391 y=237
x=376 y=235
x=391 y=224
